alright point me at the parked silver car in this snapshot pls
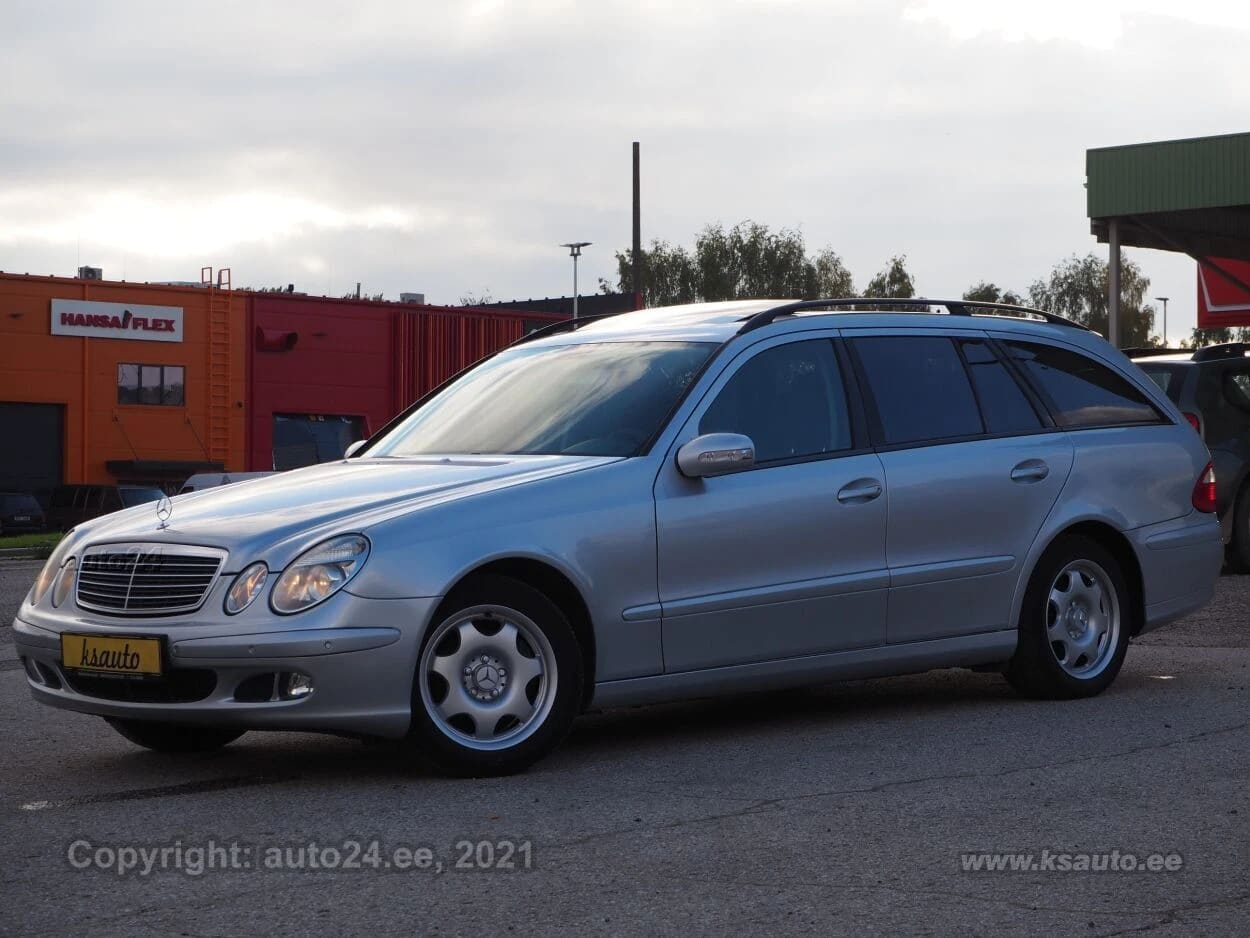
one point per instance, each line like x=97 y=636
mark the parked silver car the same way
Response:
x=695 y=500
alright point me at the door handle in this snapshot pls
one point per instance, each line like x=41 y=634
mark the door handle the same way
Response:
x=1031 y=470
x=861 y=490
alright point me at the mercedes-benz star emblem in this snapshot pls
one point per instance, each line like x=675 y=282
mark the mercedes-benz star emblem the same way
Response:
x=164 y=508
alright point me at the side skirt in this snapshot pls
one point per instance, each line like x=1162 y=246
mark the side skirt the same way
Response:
x=881 y=661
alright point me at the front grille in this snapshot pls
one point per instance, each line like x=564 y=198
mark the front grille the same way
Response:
x=146 y=579
x=178 y=686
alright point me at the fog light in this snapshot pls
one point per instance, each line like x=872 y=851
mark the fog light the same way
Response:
x=296 y=685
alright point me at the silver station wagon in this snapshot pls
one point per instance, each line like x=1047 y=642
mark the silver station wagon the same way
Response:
x=678 y=502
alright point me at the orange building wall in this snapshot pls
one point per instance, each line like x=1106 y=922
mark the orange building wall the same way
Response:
x=81 y=374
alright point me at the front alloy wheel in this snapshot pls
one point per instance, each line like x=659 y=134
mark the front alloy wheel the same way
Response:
x=498 y=680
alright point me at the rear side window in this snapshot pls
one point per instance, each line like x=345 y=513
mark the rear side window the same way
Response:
x=788 y=399
x=1080 y=391
x=1004 y=405
x=920 y=388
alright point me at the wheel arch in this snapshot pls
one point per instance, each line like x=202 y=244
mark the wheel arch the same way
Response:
x=556 y=586
x=1115 y=543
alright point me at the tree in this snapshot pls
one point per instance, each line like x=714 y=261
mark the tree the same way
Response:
x=351 y=295
x=1077 y=289
x=480 y=299
x=747 y=260
x=1199 y=338
x=988 y=292
x=892 y=282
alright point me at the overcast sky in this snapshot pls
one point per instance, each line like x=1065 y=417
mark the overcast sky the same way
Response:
x=449 y=147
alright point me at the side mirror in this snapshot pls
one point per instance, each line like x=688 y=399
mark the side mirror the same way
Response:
x=716 y=454
x=353 y=448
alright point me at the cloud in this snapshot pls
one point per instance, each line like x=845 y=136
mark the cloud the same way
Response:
x=450 y=148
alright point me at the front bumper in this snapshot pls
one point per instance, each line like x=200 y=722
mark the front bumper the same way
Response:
x=360 y=653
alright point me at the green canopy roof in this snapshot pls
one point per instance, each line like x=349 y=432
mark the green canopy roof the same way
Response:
x=1191 y=196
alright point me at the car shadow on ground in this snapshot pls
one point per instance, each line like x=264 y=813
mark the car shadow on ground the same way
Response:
x=273 y=757
x=264 y=758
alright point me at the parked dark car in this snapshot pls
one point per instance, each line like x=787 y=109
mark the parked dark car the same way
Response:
x=74 y=504
x=20 y=513
x=1211 y=386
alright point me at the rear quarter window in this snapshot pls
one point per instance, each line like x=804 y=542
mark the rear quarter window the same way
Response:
x=1080 y=391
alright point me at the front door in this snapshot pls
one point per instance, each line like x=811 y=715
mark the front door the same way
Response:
x=787 y=558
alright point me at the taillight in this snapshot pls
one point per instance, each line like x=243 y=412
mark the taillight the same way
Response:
x=1204 y=490
x=1193 y=421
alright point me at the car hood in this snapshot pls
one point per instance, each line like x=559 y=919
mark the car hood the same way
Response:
x=275 y=517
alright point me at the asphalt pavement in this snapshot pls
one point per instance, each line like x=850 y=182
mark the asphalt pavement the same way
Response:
x=850 y=808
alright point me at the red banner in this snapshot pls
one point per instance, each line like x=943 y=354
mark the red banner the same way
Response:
x=1223 y=293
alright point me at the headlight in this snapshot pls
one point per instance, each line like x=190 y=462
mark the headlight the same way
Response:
x=50 y=570
x=317 y=574
x=65 y=582
x=246 y=587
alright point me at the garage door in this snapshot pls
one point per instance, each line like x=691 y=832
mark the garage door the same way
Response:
x=31 y=444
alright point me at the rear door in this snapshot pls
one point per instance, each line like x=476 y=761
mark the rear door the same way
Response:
x=787 y=558
x=972 y=464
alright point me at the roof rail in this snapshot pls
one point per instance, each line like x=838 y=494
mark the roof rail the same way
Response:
x=564 y=325
x=1224 y=350
x=920 y=303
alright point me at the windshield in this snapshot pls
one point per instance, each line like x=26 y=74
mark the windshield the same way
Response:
x=132 y=497
x=598 y=399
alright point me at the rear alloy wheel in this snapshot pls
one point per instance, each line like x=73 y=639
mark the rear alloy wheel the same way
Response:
x=1074 y=627
x=174 y=737
x=499 y=679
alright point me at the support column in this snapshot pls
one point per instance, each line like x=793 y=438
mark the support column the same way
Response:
x=1113 y=283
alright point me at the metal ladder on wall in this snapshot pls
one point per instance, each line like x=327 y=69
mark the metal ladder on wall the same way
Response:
x=218 y=363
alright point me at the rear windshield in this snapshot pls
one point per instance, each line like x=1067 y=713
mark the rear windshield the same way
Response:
x=1167 y=377
x=19 y=504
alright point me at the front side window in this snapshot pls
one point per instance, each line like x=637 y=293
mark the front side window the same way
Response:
x=1082 y=392
x=591 y=399
x=788 y=399
x=920 y=388
x=151 y=384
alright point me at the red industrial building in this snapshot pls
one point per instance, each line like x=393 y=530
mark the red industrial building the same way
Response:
x=239 y=380
x=325 y=372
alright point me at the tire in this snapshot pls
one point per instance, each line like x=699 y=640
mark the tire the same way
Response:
x=1238 y=552
x=498 y=680
x=1074 y=625
x=174 y=737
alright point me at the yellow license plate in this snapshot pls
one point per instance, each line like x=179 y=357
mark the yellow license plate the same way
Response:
x=112 y=654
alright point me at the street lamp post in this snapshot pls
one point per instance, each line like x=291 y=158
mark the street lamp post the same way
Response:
x=575 y=251
x=1164 y=301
